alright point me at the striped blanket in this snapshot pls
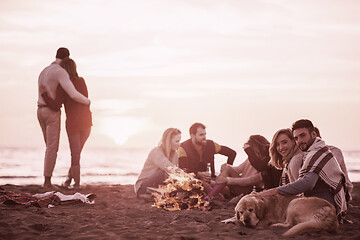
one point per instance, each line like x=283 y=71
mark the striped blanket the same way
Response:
x=320 y=160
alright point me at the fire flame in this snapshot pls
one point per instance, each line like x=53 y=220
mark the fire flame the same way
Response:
x=180 y=191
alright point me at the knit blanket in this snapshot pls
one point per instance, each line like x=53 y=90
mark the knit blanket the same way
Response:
x=285 y=179
x=320 y=160
x=291 y=170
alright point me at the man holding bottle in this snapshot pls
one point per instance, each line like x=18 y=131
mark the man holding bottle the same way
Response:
x=196 y=154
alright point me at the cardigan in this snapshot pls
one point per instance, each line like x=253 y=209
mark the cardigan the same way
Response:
x=156 y=160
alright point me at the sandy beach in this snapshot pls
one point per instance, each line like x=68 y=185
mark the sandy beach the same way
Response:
x=118 y=214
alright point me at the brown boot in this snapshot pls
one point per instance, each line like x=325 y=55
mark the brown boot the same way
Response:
x=75 y=171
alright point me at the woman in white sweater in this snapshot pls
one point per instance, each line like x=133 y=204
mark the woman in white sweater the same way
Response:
x=160 y=161
x=286 y=155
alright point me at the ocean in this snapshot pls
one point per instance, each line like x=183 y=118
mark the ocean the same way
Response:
x=23 y=166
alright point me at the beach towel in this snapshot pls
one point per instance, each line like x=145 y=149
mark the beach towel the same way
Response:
x=320 y=160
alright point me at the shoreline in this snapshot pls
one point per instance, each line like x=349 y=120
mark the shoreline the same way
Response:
x=118 y=214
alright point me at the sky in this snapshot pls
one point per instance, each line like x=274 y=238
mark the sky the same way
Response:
x=239 y=67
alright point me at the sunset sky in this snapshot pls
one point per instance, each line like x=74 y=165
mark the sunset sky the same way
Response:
x=239 y=67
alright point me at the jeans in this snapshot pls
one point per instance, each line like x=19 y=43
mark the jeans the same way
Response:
x=76 y=143
x=153 y=181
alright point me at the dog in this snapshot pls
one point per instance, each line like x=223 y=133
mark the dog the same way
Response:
x=303 y=214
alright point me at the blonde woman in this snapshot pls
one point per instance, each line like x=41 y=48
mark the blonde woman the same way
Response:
x=320 y=174
x=158 y=162
x=286 y=155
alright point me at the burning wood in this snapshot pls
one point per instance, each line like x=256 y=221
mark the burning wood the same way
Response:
x=180 y=191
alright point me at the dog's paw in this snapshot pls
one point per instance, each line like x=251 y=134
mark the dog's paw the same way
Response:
x=283 y=225
x=229 y=220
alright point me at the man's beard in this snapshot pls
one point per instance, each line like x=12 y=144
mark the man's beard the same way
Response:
x=307 y=144
x=200 y=142
x=305 y=148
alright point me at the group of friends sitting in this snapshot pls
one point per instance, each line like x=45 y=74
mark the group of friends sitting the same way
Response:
x=297 y=161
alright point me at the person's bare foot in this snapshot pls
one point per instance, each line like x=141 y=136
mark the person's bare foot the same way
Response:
x=66 y=184
x=220 y=197
x=46 y=185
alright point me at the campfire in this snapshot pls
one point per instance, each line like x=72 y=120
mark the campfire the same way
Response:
x=180 y=191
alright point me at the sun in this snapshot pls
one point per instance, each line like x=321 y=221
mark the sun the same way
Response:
x=119 y=129
x=119 y=119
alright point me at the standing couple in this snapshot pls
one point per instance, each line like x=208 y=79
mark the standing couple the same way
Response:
x=59 y=84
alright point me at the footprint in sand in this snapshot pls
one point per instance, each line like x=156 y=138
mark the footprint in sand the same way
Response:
x=39 y=227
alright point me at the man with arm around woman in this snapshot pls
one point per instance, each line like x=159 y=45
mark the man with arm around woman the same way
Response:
x=78 y=119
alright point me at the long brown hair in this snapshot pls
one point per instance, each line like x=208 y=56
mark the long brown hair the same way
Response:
x=70 y=66
x=276 y=159
x=165 y=143
x=260 y=145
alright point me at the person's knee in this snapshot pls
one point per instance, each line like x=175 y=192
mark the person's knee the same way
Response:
x=226 y=170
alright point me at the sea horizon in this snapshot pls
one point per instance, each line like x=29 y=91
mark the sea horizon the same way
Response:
x=103 y=165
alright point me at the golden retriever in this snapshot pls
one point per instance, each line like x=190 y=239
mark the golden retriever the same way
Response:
x=301 y=214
